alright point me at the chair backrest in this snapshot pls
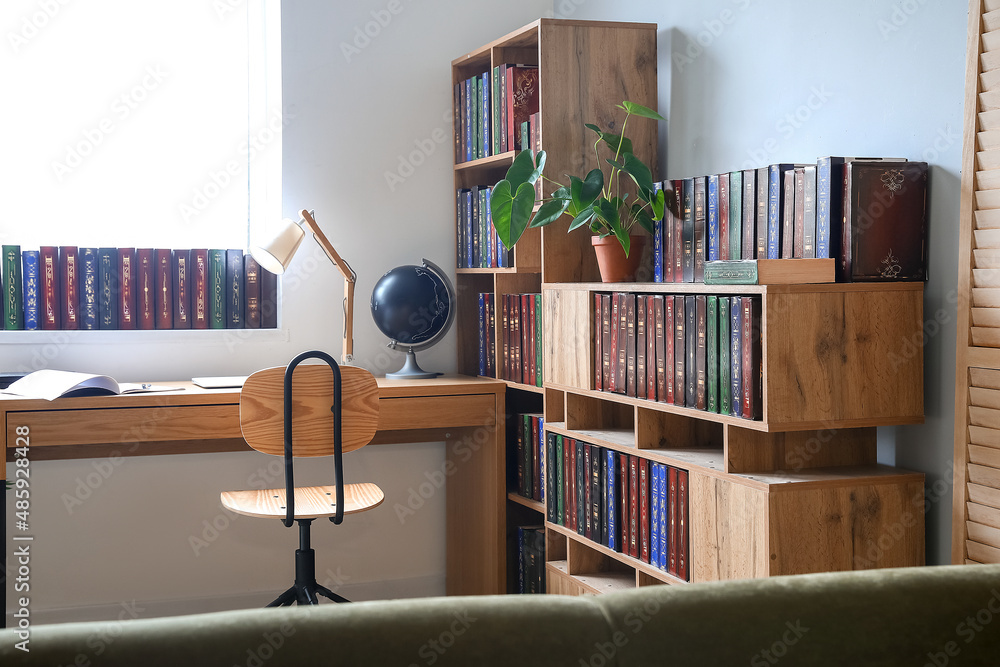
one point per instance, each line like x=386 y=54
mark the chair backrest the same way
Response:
x=262 y=409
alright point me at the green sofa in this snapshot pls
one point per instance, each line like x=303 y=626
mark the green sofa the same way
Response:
x=920 y=616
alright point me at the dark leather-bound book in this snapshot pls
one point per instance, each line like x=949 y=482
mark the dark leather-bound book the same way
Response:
x=701 y=361
x=633 y=512
x=788 y=215
x=712 y=353
x=528 y=306
x=799 y=216
x=775 y=208
x=735 y=214
x=651 y=348
x=181 y=276
x=885 y=222
x=751 y=345
x=252 y=271
x=522 y=100
x=607 y=496
x=596 y=495
x=606 y=345
x=736 y=355
x=663 y=308
x=570 y=445
x=109 y=289
x=588 y=491
x=690 y=351
x=640 y=346
x=581 y=489
x=29 y=275
x=127 y=314
x=269 y=305
x=612 y=383
x=235 y=286
x=516 y=370
x=621 y=373
x=198 y=265
x=610 y=470
x=565 y=477
x=88 y=288
x=700 y=227
x=48 y=269
x=687 y=230
x=724 y=242
x=145 y=288
x=630 y=344
x=13 y=287
x=644 y=510
x=670 y=210
x=505 y=333
x=672 y=519
x=537 y=461
x=624 y=507
x=682 y=524
x=725 y=364
x=763 y=204
x=678 y=217
x=598 y=339
x=809 y=212
x=712 y=222
x=69 y=279
x=164 y=289
x=748 y=249
x=550 y=479
x=680 y=356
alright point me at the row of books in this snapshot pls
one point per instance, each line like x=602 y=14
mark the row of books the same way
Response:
x=531 y=559
x=479 y=246
x=799 y=211
x=490 y=108
x=624 y=502
x=519 y=338
x=526 y=455
x=69 y=288
x=697 y=351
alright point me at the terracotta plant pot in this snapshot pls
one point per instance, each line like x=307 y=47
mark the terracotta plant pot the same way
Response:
x=611 y=260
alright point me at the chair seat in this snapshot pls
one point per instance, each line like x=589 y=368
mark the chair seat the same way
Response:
x=311 y=502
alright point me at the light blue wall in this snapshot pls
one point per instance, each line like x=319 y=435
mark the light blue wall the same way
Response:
x=746 y=83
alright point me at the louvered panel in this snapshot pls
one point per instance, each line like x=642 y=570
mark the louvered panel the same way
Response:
x=989 y=61
x=987 y=238
x=990 y=5
x=988 y=199
x=986 y=456
x=984 y=475
x=983 y=553
x=989 y=120
x=985 y=337
x=988 y=218
x=989 y=180
x=984 y=495
x=984 y=437
x=986 y=297
x=989 y=100
x=988 y=141
x=987 y=378
x=984 y=398
x=991 y=41
x=984 y=534
x=984 y=417
x=991 y=20
x=989 y=516
x=986 y=317
x=986 y=277
x=986 y=258
x=988 y=160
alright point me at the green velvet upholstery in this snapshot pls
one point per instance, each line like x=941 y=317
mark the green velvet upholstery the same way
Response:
x=920 y=616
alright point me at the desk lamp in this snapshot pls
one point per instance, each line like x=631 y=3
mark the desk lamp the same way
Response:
x=276 y=255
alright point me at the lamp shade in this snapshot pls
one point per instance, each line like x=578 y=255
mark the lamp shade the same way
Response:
x=276 y=255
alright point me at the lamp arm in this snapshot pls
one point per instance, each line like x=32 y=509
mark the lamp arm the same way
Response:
x=350 y=278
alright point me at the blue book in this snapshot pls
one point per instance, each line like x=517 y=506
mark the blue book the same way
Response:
x=713 y=217
x=775 y=208
x=468 y=228
x=828 y=205
x=664 y=540
x=477 y=253
x=611 y=490
x=29 y=273
x=482 y=334
x=658 y=242
x=654 y=519
x=541 y=457
x=467 y=111
x=484 y=115
x=88 y=288
x=736 y=356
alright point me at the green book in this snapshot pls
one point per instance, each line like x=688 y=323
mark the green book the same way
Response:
x=538 y=340
x=484 y=229
x=525 y=136
x=731 y=272
x=13 y=295
x=712 y=343
x=725 y=369
x=495 y=110
x=216 y=289
x=735 y=214
x=478 y=121
x=560 y=500
x=527 y=447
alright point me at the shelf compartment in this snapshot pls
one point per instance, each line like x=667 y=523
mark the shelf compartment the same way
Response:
x=585 y=413
x=560 y=582
x=656 y=429
x=526 y=502
x=750 y=451
x=555 y=406
x=589 y=551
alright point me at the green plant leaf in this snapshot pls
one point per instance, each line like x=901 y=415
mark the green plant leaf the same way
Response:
x=584 y=192
x=550 y=211
x=522 y=170
x=501 y=202
x=624 y=239
x=585 y=217
x=642 y=217
x=639 y=110
x=659 y=205
x=640 y=173
x=608 y=212
x=520 y=210
x=617 y=142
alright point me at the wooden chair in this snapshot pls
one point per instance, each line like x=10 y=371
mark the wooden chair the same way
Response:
x=334 y=410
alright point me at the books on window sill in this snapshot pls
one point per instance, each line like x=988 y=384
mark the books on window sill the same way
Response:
x=74 y=288
x=625 y=502
x=694 y=350
x=869 y=215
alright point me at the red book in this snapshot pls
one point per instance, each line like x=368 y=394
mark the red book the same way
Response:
x=522 y=100
x=606 y=351
x=621 y=366
x=651 y=361
x=127 y=315
x=751 y=358
x=679 y=390
x=633 y=511
x=505 y=330
x=491 y=352
x=724 y=216
x=526 y=346
x=69 y=278
x=570 y=474
x=48 y=274
x=199 y=288
x=567 y=483
x=624 y=508
x=672 y=514
x=612 y=384
x=181 y=277
x=639 y=367
x=682 y=524
x=598 y=337
x=146 y=288
x=644 y=510
x=252 y=272
x=629 y=344
x=517 y=372
x=528 y=307
x=701 y=361
x=678 y=235
x=665 y=349
x=798 y=224
x=588 y=499
x=164 y=289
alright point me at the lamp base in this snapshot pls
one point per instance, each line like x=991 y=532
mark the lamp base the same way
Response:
x=411 y=370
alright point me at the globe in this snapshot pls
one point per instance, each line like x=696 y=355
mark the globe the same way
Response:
x=414 y=307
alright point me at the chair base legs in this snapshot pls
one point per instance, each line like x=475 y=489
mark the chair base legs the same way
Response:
x=305 y=590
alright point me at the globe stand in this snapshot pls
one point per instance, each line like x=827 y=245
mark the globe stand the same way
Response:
x=411 y=370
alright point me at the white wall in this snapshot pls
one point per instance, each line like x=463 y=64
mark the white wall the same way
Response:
x=746 y=83
x=875 y=92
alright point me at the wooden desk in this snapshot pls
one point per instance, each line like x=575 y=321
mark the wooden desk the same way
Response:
x=465 y=412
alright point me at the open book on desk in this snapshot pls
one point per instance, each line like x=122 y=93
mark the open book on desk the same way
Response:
x=51 y=384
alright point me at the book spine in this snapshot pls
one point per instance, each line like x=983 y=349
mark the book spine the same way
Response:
x=485 y=115
x=658 y=241
x=69 y=278
x=680 y=356
x=467 y=213
x=164 y=289
x=672 y=527
x=669 y=221
x=691 y=351
x=475 y=227
x=611 y=494
x=482 y=333
x=829 y=205
x=809 y=212
x=491 y=335
x=516 y=346
x=664 y=312
x=624 y=507
x=539 y=423
x=621 y=379
x=612 y=383
x=145 y=289
x=644 y=509
x=522 y=561
x=598 y=340
x=682 y=524
x=469 y=119
x=127 y=315
x=606 y=352
x=108 y=288
x=701 y=361
x=763 y=210
x=596 y=494
x=788 y=215
x=736 y=355
x=725 y=364
x=88 y=288
x=588 y=499
x=235 y=285
x=550 y=454
x=630 y=344
x=735 y=213
x=524 y=455
x=748 y=249
x=199 y=290
x=700 y=228
x=723 y=215
x=712 y=353
x=252 y=272
x=581 y=490
x=29 y=270
x=654 y=514
x=48 y=258
x=751 y=357
x=217 y=288
x=527 y=344
x=640 y=346
x=713 y=217
x=633 y=512
x=571 y=521
x=181 y=277
x=731 y=273
x=537 y=321
x=774 y=208
x=560 y=485
x=457 y=121
x=688 y=231
x=650 y=348
x=502 y=107
x=13 y=287
x=268 y=299
x=799 y=223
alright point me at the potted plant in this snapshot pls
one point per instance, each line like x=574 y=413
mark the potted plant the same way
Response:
x=596 y=202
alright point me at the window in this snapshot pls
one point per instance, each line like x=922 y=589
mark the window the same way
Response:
x=140 y=124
